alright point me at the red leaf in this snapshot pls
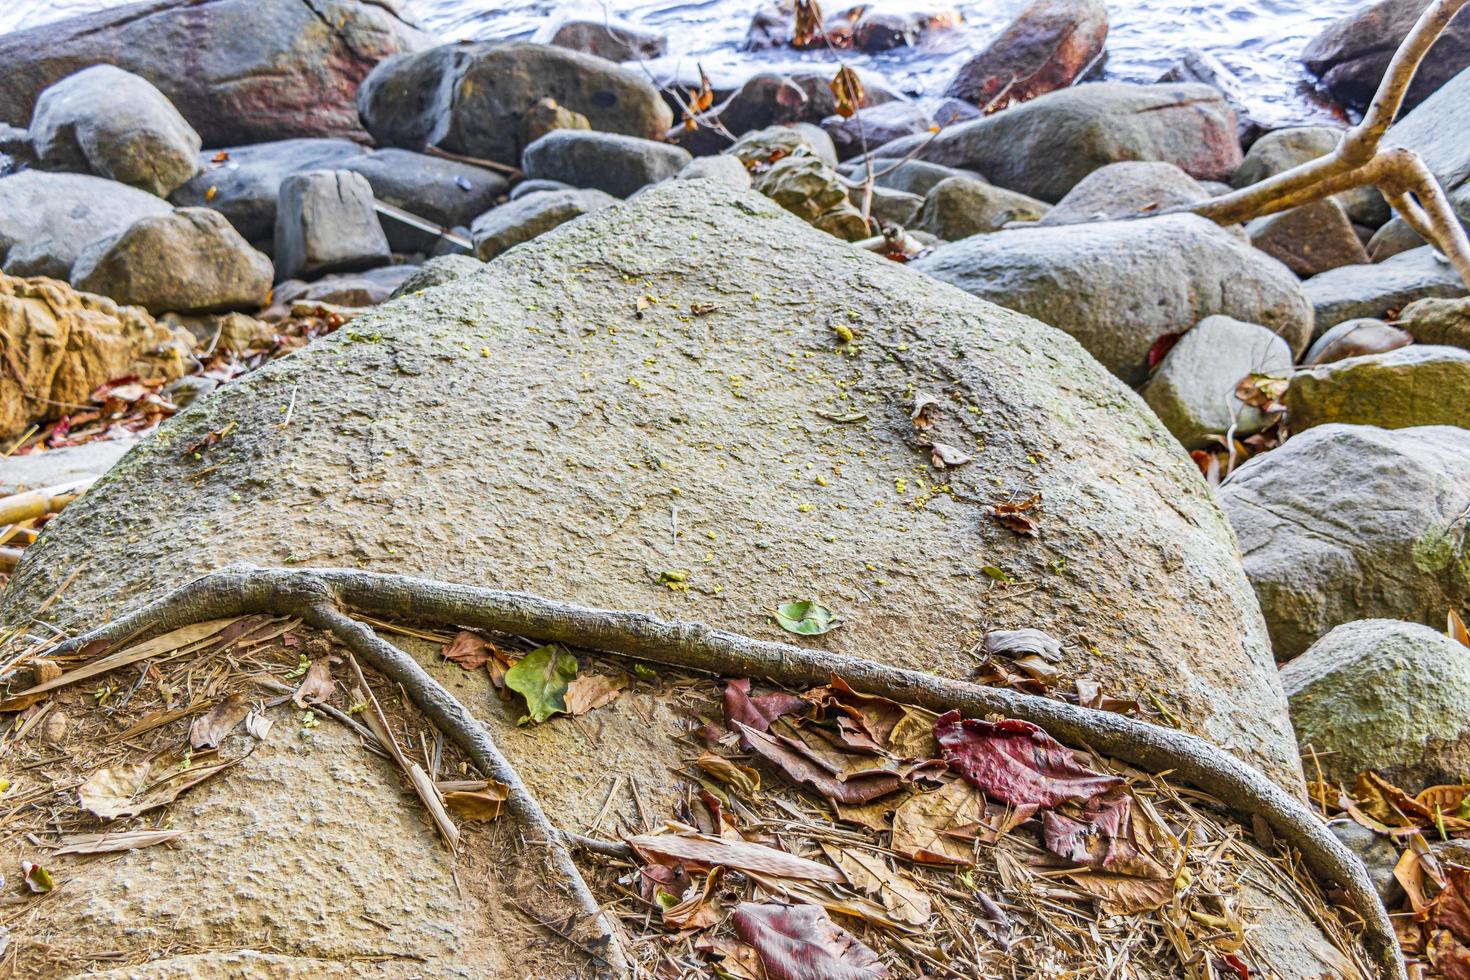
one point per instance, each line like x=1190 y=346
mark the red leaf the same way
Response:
x=800 y=942
x=1161 y=348
x=1016 y=762
x=757 y=712
x=1102 y=838
x=467 y=649
x=1237 y=964
x=1451 y=910
x=856 y=788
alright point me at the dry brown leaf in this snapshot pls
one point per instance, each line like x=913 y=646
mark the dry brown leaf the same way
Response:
x=130 y=840
x=938 y=827
x=258 y=725
x=808 y=32
x=925 y=405
x=482 y=804
x=698 y=850
x=699 y=910
x=587 y=692
x=469 y=650
x=942 y=456
x=869 y=873
x=1456 y=630
x=743 y=779
x=875 y=815
x=732 y=957
x=317 y=685
x=847 y=89
x=1123 y=894
x=129 y=789
x=211 y=728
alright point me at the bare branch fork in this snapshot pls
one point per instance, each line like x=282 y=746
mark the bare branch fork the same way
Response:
x=320 y=596
x=1360 y=160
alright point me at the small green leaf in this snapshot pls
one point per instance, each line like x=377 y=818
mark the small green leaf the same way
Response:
x=999 y=574
x=806 y=618
x=541 y=677
x=37 y=878
x=644 y=672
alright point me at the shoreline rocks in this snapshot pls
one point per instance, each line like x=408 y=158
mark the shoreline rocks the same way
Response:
x=47 y=219
x=1421 y=384
x=1352 y=54
x=1049 y=45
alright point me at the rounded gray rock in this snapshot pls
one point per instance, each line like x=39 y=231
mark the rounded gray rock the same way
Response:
x=526 y=217
x=46 y=219
x=619 y=165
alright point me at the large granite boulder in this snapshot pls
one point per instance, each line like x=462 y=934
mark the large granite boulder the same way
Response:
x=187 y=261
x=1352 y=54
x=46 y=219
x=1422 y=384
x=239 y=71
x=1436 y=131
x=1118 y=286
x=1310 y=238
x=613 y=41
x=717 y=424
x=1126 y=189
x=1351 y=521
x=61 y=344
x=471 y=98
x=244 y=182
x=870 y=128
x=1353 y=291
x=1049 y=45
x=1045 y=146
x=1384 y=695
x=617 y=164
x=325 y=222
x=114 y=124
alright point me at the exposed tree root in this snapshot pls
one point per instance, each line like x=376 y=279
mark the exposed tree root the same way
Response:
x=1360 y=160
x=319 y=595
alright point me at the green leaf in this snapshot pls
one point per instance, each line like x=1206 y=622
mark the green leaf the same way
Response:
x=999 y=574
x=541 y=677
x=806 y=618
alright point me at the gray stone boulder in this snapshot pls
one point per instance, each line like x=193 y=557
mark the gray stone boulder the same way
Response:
x=1046 y=146
x=325 y=222
x=436 y=272
x=962 y=206
x=187 y=261
x=1385 y=695
x=526 y=217
x=448 y=193
x=774 y=99
x=46 y=219
x=1193 y=390
x=63 y=464
x=1347 y=521
x=368 y=287
x=1393 y=237
x=244 y=182
x=619 y=165
x=722 y=167
x=1309 y=239
x=470 y=98
x=1126 y=189
x=1352 y=54
x=526 y=187
x=240 y=71
x=1438 y=321
x=1118 y=286
x=114 y=124
x=1376 y=290
x=1354 y=338
x=1436 y=131
x=1282 y=149
x=1049 y=45
x=1422 y=384
x=613 y=41
x=377 y=450
x=912 y=176
x=870 y=128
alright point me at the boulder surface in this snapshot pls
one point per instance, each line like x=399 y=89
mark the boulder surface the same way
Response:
x=46 y=219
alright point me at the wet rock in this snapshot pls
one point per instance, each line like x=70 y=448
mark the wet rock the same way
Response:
x=877 y=30
x=766 y=146
x=240 y=71
x=526 y=187
x=867 y=129
x=1344 y=522
x=770 y=99
x=1203 y=68
x=1352 y=54
x=1354 y=338
x=114 y=124
x=61 y=344
x=1282 y=149
x=1047 y=47
x=547 y=116
x=446 y=192
x=1378 y=854
x=952 y=111
x=1438 y=321
x=890 y=207
x=524 y=218
x=615 y=42
x=1355 y=291
x=1046 y=146
x=470 y=98
x=188 y=261
x=243 y=182
x=1121 y=190
x=723 y=167
x=959 y=207
x=1384 y=695
x=1193 y=390
x=188 y=390
x=1118 y=286
x=913 y=176
x=811 y=190
x=1423 y=384
x=46 y=219
x=619 y=165
x=1309 y=239
x=325 y=222
x=436 y=272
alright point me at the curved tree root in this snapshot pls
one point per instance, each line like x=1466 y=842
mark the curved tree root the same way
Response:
x=316 y=594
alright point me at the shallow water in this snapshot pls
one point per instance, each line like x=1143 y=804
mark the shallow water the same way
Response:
x=1259 y=39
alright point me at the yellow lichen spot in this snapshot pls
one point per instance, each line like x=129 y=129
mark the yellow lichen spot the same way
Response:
x=901 y=484
x=821 y=480
x=804 y=508
x=484 y=352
